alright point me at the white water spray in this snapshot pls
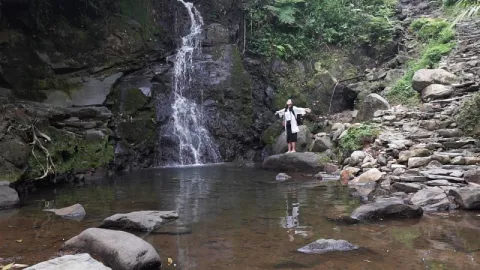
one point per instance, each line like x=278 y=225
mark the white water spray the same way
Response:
x=195 y=142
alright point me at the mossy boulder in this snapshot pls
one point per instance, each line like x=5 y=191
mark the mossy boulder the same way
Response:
x=70 y=152
x=270 y=135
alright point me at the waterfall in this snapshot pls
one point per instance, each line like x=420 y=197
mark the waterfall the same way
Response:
x=195 y=142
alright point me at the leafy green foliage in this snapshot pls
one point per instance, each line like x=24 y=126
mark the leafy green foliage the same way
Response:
x=469 y=117
x=465 y=9
x=358 y=136
x=437 y=37
x=294 y=28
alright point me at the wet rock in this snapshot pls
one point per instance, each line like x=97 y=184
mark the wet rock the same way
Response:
x=406 y=187
x=373 y=175
x=426 y=77
x=348 y=174
x=331 y=168
x=116 y=249
x=458 y=161
x=304 y=139
x=472 y=176
x=436 y=91
x=443 y=159
x=282 y=177
x=94 y=91
x=364 y=191
x=70 y=262
x=472 y=160
x=416 y=162
x=327 y=245
x=404 y=156
x=388 y=209
x=429 y=197
x=72 y=212
x=215 y=34
x=321 y=143
x=467 y=197
x=371 y=103
x=304 y=162
x=139 y=221
x=94 y=135
x=14 y=151
x=8 y=196
x=449 y=133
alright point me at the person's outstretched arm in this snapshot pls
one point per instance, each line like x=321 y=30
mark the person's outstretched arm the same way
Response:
x=280 y=113
x=298 y=110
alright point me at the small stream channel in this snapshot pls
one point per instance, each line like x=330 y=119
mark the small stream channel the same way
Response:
x=238 y=218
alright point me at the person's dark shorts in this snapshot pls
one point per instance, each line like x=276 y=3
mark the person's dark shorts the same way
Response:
x=291 y=137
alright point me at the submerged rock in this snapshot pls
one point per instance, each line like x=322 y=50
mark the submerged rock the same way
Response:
x=327 y=245
x=304 y=162
x=386 y=209
x=467 y=197
x=8 y=196
x=116 y=249
x=140 y=221
x=282 y=177
x=75 y=211
x=70 y=262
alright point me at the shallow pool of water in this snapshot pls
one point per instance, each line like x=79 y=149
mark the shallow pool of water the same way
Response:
x=238 y=218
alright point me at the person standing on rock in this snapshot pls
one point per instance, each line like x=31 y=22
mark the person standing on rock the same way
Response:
x=290 y=114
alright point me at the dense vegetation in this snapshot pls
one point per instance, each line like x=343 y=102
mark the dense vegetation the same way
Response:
x=436 y=40
x=295 y=28
x=358 y=136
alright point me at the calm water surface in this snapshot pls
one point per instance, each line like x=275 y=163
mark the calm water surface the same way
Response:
x=238 y=218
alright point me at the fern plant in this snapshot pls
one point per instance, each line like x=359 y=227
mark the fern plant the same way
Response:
x=285 y=10
x=467 y=9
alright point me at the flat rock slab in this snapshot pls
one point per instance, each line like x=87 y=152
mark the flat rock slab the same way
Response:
x=70 y=262
x=139 y=221
x=327 y=245
x=116 y=249
x=386 y=209
x=303 y=162
x=75 y=211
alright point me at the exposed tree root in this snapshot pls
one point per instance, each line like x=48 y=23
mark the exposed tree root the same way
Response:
x=49 y=168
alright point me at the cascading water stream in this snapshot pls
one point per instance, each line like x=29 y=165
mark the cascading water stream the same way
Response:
x=195 y=143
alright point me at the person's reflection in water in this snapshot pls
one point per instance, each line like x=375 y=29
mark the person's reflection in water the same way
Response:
x=291 y=221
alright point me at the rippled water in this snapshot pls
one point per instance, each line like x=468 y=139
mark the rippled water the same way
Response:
x=237 y=218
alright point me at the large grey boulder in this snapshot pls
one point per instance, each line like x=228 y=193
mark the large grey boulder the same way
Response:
x=304 y=162
x=327 y=245
x=321 y=143
x=472 y=176
x=467 y=197
x=304 y=139
x=370 y=105
x=431 y=199
x=436 y=91
x=8 y=196
x=140 y=221
x=116 y=249
x=426 y=77
x=70 y=262
x=386 y=209
x=72 y=212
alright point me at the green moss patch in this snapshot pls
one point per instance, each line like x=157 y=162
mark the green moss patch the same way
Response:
x=358 y=136
x=469 y=117
x=71 y=152
x=437 y=37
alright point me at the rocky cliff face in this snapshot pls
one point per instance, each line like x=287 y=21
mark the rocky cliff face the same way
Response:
x=115 y=58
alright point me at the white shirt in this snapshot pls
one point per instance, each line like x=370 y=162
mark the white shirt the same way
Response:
x=289 y=117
